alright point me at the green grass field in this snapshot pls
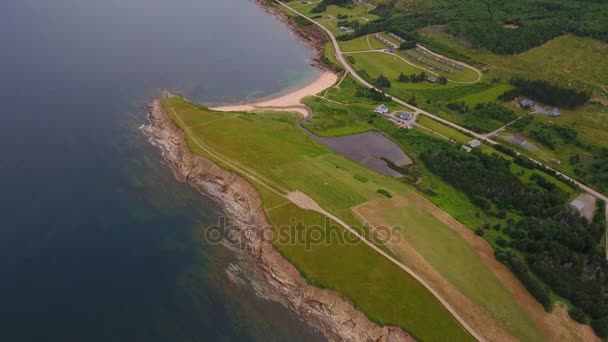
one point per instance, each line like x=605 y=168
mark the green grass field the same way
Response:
x=489 y=95
x=389 y=297
x=273 y=148
x=565 y=59
x=447 y=252
x=271 y=145
x=358 y=44
x=444 y=130
x=333 y=119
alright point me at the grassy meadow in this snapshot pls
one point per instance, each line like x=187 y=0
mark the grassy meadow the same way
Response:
x=565 y=59
x=447 y=252
x=272 y=147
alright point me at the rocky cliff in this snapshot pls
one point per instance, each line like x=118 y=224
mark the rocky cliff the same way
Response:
x=278 y=280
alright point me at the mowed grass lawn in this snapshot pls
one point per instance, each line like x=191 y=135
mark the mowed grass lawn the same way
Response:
x=380 y=63
x=453 y=257
x=488 y=95
x=357 y=44
x=442 y=129
x=271 y=145
x=332 y=119
x=371 y=282
x=464 y=75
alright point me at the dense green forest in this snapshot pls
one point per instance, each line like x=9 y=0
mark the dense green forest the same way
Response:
x=503 y=27
x=550 y=94
x=322 y=6
x=550 y=242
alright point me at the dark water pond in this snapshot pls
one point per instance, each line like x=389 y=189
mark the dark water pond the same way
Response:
x=369 y=149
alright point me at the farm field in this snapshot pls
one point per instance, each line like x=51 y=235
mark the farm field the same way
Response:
x=446 y=252
x=370 y=281
x=253 y=140
x=357 y=44
x=489 y=95
x=272 y=147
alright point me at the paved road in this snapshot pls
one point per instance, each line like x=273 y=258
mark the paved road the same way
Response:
x=416 y=110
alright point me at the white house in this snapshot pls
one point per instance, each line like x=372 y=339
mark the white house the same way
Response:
x=474 y=143
x=577 y=205
x=382 y=109
x=554 y=112
x=526 y=103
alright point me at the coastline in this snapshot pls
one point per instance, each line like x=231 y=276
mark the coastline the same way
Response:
x=275 y=277
x=291 y=100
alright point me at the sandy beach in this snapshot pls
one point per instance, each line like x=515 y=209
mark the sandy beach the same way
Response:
x=290 y=100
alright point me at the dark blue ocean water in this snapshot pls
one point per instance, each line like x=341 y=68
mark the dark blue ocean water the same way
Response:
x=98 y=242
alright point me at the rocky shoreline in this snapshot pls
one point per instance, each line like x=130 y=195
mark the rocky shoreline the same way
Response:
x=275 y=278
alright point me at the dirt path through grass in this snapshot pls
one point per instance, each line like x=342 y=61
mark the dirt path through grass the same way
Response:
x=556 y=326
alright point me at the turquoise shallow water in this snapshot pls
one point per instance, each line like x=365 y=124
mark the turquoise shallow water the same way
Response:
x=98 y=241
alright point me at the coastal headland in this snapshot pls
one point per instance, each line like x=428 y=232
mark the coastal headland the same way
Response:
x=326 y=310
x=287 y=176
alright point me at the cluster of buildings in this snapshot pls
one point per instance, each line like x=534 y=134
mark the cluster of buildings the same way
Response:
x=386 y=41
x=473 y=144
x=400 y=118
x=446 y=61
x=417 y=58
x=536 y=108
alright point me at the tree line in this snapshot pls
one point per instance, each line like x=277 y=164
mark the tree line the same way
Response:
x=550 y=242
x=484 y=22
x=548 y=93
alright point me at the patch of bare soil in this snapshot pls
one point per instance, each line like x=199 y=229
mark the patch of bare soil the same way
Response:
x=589 y=201
x=556 y=326
x=600 y=99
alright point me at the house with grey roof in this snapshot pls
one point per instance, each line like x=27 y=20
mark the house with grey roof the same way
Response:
x=554 y=112
x=474 y=143
x=577 y=205
x=407 y=116
x=526 y=103
x=382 y=109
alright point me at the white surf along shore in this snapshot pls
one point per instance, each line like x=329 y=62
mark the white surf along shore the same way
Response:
x=290 y=101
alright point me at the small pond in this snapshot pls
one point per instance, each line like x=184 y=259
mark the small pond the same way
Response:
x=368 y=149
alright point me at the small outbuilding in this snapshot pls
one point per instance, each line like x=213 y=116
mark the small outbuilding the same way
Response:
x=474 y=143
x=381 y=109
x=554 y=112
x=577 y=205
x=526 y=103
